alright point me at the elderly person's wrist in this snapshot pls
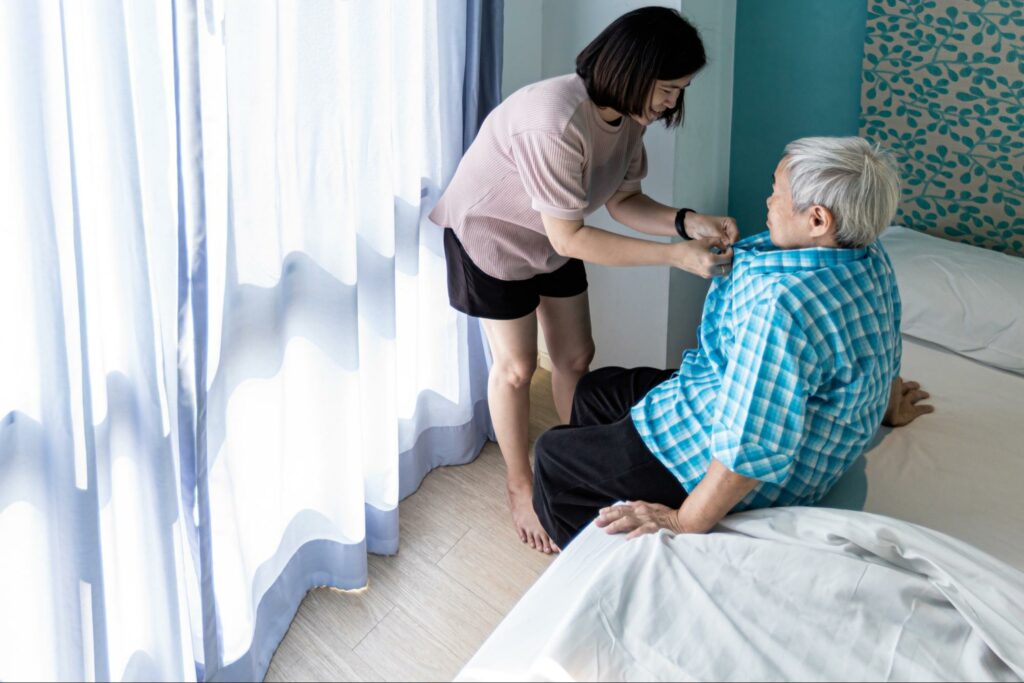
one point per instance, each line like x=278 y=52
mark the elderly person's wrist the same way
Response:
x=890 y=418
x=679 y=525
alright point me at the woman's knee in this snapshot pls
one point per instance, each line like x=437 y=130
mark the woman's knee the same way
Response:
x=576 y=361
x=514 y=372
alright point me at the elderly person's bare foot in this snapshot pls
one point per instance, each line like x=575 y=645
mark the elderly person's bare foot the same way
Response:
x=528 y=526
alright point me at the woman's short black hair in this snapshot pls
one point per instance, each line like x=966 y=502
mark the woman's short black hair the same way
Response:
x=650 y=44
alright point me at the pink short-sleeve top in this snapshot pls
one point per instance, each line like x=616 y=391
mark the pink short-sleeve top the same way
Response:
x=545 y=149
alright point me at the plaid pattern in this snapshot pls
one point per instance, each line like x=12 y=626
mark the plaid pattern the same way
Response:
x=791 y=378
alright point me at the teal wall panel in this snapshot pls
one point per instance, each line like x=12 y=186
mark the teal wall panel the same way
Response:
x=797 y=73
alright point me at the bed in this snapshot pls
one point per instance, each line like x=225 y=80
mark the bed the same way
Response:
x=912 y=568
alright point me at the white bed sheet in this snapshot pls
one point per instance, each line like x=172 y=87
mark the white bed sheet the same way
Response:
x=779 y=594
x=959 y=471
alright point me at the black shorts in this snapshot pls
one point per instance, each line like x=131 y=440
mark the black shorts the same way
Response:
x=476 y=293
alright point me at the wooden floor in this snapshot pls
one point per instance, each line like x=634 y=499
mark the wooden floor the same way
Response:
x=459 y=570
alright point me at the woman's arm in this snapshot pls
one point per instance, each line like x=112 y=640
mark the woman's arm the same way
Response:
x=643 y=214
x=573 y=239
x=638 y=211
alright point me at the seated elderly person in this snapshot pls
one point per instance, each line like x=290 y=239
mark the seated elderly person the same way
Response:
x=798 y=364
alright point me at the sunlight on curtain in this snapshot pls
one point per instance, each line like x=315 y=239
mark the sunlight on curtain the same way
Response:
x=335 y=346
x=226 y=350
x=91 y=583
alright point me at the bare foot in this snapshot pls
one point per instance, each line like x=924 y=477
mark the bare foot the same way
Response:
x=520 y=502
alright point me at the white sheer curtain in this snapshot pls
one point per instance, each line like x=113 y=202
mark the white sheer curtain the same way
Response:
x=226 y=348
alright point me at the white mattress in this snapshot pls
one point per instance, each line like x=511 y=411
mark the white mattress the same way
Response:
x=959 y=470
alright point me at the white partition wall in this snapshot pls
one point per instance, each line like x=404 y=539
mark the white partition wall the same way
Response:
x=702 y=157
x=641 y=315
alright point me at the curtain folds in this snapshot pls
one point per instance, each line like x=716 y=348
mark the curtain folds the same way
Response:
x=226 y=351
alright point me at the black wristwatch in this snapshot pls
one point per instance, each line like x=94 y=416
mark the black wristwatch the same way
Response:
x=681 y=223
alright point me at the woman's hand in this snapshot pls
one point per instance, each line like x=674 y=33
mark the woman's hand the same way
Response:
x=699 y=225
x=638 y=518
x=706 y=257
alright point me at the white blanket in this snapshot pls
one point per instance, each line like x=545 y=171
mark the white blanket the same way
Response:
x=784 y=594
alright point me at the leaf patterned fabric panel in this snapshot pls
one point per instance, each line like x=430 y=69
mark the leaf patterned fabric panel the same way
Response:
x=943 y=88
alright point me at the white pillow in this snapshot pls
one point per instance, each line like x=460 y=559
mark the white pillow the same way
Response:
x=967 y=299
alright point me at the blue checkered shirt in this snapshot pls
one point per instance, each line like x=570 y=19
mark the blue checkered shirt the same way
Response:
x=798 y=349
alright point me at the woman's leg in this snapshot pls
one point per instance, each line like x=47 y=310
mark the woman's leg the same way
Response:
x=566 y=325
x=513 y=346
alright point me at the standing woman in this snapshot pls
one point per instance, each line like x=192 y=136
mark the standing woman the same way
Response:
x=515 y=238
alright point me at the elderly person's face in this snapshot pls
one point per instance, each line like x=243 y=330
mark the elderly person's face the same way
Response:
x=789 y=229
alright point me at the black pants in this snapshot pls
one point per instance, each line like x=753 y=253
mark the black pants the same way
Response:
x=599 y=459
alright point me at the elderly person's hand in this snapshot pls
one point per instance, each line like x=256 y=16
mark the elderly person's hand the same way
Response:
x=903 y=403
x=716 y=494
x=703 y=226
x=638 y=518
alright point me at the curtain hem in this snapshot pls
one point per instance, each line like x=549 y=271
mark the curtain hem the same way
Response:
x=344 y=566
x=307 y=569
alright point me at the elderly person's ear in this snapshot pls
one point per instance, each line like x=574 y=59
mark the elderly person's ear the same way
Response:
x=822 y=221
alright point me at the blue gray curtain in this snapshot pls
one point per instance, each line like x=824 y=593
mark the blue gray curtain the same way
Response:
x=481 y=90
x=227 y=351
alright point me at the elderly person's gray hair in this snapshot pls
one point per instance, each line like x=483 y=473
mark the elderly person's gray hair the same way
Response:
x=855 y=180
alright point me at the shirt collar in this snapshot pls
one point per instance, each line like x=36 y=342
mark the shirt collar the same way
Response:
x=760 y=255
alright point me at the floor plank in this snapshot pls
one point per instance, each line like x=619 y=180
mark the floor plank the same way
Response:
x=425 y=528
x=403 y=650
x=495 y=571
x=313 y=651
x=452 y=613
x=349 y=614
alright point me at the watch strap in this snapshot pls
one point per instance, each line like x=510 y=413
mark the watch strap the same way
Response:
x=681 y=223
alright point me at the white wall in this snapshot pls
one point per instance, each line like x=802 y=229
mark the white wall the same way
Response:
x=702 y=158
x=640 y=315
x=521 y=57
